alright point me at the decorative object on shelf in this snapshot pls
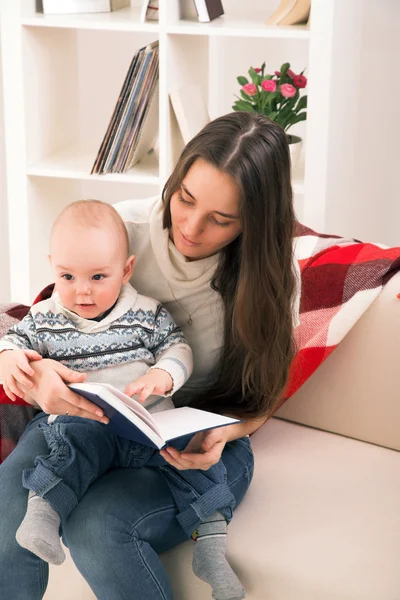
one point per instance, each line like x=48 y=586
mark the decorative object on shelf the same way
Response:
x=149 y=11
x=208 y=10
x=69 y=7
x=278 y=97
x=291 y=12
x=133 y=128
x=190 y=110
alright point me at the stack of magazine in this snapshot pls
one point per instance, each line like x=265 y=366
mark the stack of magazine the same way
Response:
x=133 y=128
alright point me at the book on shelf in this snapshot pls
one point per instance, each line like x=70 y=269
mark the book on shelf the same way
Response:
x=131 y=420
x=208 y=10
x=69 y=7
x=190 y=110
x=291 y=12
x=133 y=128
x=149 y=11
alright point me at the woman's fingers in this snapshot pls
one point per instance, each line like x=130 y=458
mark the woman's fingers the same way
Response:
x=78 y=406
x=193 y=460
x=68 y=375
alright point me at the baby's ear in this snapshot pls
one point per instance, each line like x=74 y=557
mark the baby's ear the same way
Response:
x=128 y=269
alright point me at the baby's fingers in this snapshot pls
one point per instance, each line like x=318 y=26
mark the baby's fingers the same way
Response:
x=133 y=388
x=11 y=390
x=147 y=390
x=32 y=355
x=23 y=365
x=22 y=379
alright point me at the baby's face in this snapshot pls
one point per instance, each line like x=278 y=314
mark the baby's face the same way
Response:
x=90 y=267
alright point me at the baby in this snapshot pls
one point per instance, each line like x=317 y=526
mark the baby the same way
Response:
x=96 y=323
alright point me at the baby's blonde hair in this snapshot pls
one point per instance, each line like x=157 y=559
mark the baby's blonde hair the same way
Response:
x=96 y=214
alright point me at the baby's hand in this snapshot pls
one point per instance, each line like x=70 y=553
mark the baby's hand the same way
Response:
x=14 y=366
x=155 y=381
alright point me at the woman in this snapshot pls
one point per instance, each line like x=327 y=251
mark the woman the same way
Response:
x=217 y=252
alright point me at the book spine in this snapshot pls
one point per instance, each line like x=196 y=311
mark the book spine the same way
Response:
x=202 y=12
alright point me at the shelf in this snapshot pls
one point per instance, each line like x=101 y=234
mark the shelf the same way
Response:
x=126 y=19
x=72 y=165
x=236 y=26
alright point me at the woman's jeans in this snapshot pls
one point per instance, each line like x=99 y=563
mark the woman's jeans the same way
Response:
x=125 y=519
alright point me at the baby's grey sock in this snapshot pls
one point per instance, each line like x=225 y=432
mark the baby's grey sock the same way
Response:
x=39 y=531
x=209 y=560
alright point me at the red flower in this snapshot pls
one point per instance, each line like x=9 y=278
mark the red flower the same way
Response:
x=287 y=90
x=268 y=85
x=291 y=73
x=257 y=70
x=299 y=81
x=250 y=89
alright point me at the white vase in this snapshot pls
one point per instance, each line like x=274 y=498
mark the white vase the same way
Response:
x=295 y=146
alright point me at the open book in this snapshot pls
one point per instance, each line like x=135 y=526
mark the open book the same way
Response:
x=131 y=420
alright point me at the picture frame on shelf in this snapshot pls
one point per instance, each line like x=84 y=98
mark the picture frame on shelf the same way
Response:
x=190 y=110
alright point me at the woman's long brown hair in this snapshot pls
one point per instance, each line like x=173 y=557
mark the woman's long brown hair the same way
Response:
x=255 y=274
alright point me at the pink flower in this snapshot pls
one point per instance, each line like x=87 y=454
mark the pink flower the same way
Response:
x=299 y=81
x=291 y=73
x=287 y=90
x=277 y=73
x=268 y=85
x=250 y=89
x=257 y=70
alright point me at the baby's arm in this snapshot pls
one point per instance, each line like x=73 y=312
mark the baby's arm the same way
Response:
x=14 y=366
x=174 y=360
x=17 y=349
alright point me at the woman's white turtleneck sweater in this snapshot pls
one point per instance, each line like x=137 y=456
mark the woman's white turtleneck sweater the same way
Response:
x=158 y=263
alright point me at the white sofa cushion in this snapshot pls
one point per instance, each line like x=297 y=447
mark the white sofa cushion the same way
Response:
x=321 y=521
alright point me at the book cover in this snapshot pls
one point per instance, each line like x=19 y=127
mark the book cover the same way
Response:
x=131 y=420
x=190 y=110
x=208 y=10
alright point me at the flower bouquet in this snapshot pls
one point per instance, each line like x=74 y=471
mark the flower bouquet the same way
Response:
x=277 y=96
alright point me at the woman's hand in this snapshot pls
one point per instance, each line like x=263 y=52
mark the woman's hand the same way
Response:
x=14 y=368
x=51 y=394
x=203 y=451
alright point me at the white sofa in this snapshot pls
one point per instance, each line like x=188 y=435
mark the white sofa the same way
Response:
x=321 y=520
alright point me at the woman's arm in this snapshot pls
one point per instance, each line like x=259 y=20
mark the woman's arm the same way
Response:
x=205 y=448
x=52 y=395
x=248 y=427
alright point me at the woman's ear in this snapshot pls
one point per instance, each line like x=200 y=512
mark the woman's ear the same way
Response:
x=128 y=269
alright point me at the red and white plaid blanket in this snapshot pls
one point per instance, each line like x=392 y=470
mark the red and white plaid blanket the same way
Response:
x=340 y=278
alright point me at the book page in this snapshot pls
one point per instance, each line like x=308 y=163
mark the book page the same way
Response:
x=132 y=404
x=182 y=421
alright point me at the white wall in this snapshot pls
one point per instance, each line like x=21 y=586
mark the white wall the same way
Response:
x=4 y=255
x=362 y=195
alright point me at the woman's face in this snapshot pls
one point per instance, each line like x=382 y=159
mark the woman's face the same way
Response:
x=205 y=211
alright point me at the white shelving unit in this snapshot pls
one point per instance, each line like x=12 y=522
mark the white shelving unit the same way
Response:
x=4 y=254
x=62 y=75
